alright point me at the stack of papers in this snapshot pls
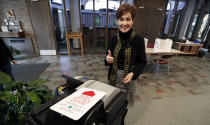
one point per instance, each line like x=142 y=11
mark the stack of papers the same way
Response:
x=77 y=104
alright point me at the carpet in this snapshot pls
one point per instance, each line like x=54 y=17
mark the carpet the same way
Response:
x=28 y=72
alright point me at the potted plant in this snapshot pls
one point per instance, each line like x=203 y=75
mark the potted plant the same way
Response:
x=17 y=99
x=14 y=51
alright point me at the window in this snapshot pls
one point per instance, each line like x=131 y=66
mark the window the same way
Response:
x=192 y=26
x=100 y=13
x=57 y=1
x=203 y=26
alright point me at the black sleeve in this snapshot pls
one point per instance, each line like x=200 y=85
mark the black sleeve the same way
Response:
x=141 y=59
x=7 y=51
x=109 y=47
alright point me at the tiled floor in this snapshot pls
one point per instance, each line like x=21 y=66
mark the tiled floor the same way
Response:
x=178 y=99
x=189 y=75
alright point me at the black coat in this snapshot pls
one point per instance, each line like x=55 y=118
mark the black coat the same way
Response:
x=5 y=55
x=138 y=55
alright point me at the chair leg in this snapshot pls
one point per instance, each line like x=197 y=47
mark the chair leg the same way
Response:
x=158 y=67
x=168 y=68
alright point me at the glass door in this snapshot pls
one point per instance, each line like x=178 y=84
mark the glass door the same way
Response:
x=59 y=25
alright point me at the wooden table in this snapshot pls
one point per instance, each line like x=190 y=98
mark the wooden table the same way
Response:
x=153 y=51
x=74 y=35
x=159 y=53
x=189 y=48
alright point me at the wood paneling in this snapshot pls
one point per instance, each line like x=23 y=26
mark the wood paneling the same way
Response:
x=42 y=24
x=150 y=18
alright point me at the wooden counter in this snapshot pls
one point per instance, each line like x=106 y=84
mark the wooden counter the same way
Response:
x=189 y=48
x=12 y=34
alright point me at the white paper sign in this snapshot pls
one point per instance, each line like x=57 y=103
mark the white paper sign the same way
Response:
x=163 y=45
x=77 y=104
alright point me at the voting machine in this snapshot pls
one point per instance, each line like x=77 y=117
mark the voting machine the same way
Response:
x=109 y=109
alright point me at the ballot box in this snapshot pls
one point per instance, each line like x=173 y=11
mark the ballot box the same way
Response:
x=108 y=109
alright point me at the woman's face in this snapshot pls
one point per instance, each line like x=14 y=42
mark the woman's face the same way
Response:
x=125 y=23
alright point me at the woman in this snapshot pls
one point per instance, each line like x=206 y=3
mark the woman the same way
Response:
x=125 y=55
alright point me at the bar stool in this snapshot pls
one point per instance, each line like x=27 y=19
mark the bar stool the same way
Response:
x=74 y=35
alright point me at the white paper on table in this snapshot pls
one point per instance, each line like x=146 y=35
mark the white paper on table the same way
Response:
x=163 y=45
x=145 y=42
x=157 y=45
x=77 y=104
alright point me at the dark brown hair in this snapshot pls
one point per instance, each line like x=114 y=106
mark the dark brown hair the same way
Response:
x=124 y=8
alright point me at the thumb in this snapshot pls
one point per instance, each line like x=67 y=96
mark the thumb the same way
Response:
x=125 y=78
x=109 y=52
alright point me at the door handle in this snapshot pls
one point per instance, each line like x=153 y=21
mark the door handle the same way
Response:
x=141 y=7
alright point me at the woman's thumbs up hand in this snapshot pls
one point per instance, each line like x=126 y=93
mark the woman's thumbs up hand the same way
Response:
x=109 y=57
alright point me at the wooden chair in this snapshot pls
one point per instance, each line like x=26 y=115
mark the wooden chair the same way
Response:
x=74 y=35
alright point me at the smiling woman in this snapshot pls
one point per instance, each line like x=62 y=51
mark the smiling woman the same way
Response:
x=125 y=55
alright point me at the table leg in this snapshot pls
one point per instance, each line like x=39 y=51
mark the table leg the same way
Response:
x=179 y=48
x=82 y=51
x=68 y=46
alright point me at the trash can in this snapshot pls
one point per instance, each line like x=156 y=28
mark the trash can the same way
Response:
x=76 y=43
x=202 y=52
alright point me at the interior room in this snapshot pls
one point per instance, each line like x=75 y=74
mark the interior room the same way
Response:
x=55 y=45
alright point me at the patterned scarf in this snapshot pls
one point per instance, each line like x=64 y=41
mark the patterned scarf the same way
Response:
x=127 y=60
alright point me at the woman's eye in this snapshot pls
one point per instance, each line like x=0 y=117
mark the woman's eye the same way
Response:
x=128 y=19
x=121 y=19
